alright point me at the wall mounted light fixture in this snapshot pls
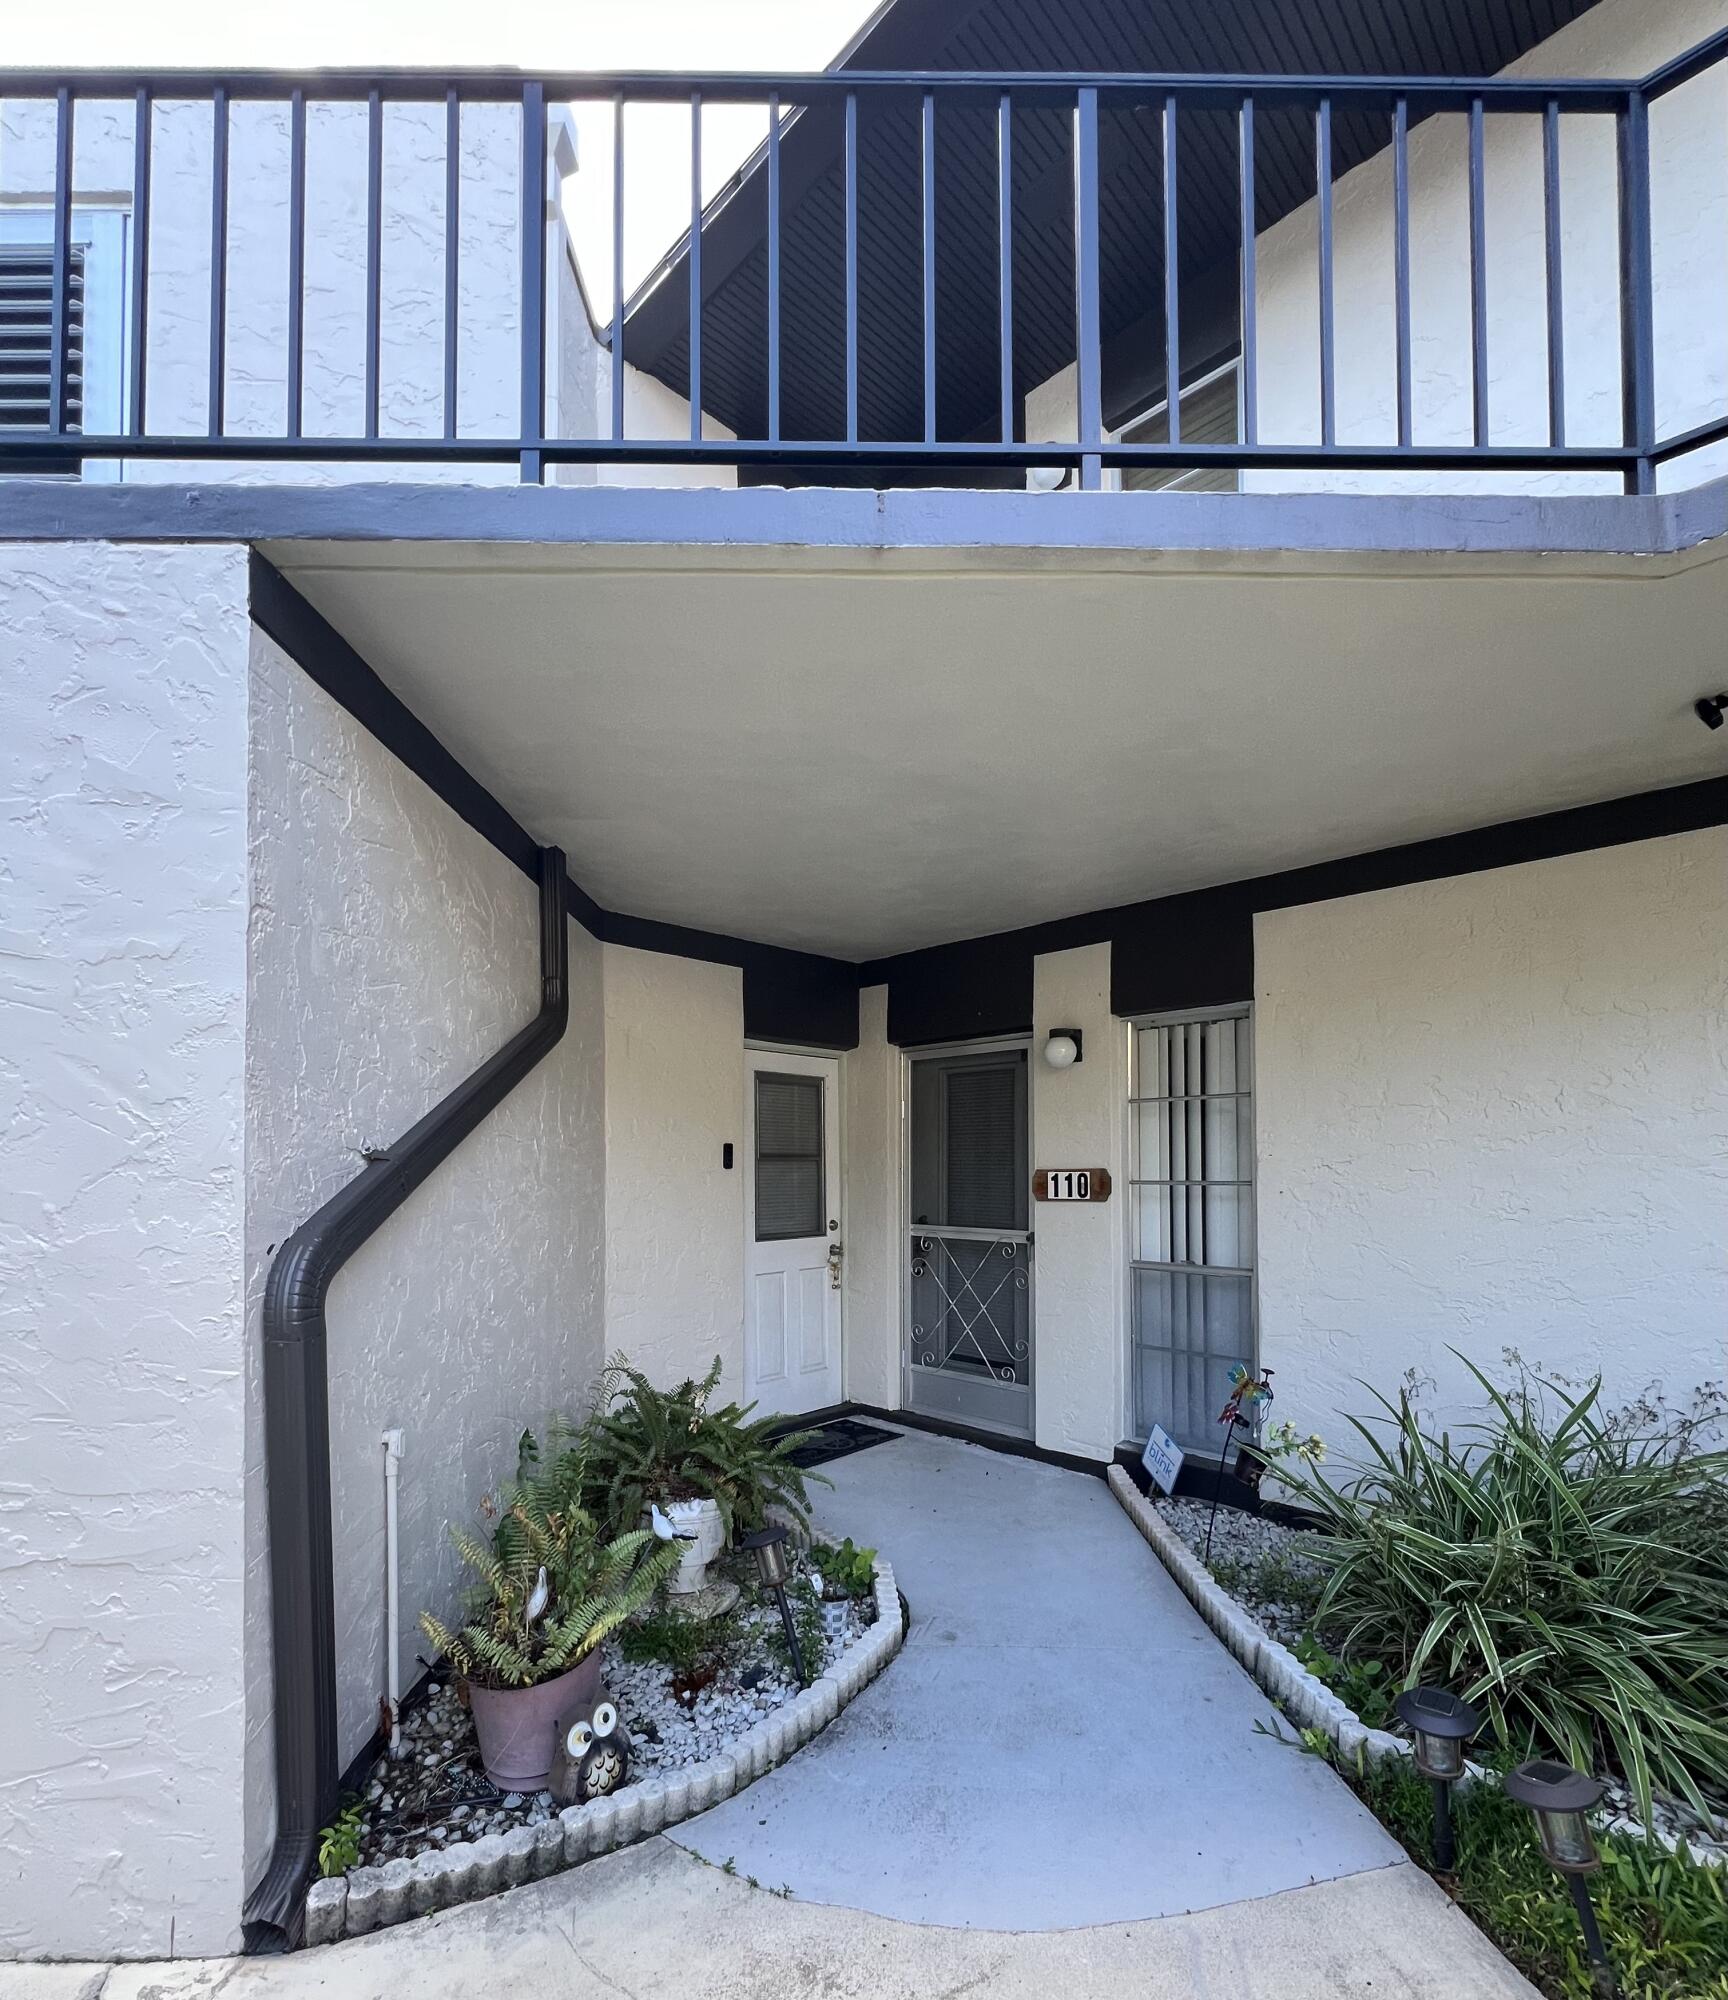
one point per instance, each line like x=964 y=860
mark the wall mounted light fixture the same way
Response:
x=1064 y=1047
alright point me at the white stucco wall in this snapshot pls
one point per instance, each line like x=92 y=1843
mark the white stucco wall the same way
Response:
x=1689 y=198
x=411 y=367
x=1079 y=1119
x=674 y=1214
x=391 y=951
x=1689 y=203
x=1493 y=1113
x=122 y=1372
x=871 y=1078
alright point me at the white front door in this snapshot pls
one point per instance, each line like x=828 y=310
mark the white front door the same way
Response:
x=792 y=1233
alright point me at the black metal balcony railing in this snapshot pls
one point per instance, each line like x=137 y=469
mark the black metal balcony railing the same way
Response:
x=1394 y=104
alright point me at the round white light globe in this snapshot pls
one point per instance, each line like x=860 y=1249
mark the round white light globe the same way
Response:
x=1059 y=1051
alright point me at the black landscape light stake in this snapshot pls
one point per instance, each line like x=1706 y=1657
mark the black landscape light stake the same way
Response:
x=1441 y=1724
x=768 y=1545
x=1561 y=1797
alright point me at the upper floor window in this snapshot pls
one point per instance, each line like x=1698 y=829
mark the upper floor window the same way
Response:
x=1211 y=414
x=95 y=370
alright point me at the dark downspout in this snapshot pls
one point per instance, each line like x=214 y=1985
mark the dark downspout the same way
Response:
x=297 y=1431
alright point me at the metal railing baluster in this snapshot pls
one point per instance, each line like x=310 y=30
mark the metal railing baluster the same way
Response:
x=1323 y=197
x=851 y=171
x=1552 y=273
x=618 y=267
x=774 y=268
x=1172 y=282
x=927 y=157
x=138 y=307
x=1478 y=278
x=533 y=305
x=1401 y=268
x=1248 y=381
x=1637 y=309
x=695 y=263
x=374 y=254
x=296 y=262
x=1088 y=340
x=452 y=257
x=215 y=407
x=1005 y=263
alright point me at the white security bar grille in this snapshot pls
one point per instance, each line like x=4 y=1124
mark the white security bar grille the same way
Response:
x=1193 y=1219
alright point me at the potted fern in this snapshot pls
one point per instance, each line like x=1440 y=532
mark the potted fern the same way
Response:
x=550 y=1587
x=712 y=1469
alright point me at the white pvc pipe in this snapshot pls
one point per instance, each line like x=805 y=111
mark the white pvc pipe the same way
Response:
x=392 y=1442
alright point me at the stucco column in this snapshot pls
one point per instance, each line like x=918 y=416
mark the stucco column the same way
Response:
x=873 y=1163
x=1079 y=1120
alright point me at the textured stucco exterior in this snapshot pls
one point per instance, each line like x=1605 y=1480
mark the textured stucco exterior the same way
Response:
x=1689 y=206
x=391 y=950
x=122 y=1365
x=674 y=1213
x=1493 y=1113
x=871 y=1077
x=1079 y=1119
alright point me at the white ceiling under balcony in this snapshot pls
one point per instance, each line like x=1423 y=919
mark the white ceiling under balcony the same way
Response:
x=864 y=751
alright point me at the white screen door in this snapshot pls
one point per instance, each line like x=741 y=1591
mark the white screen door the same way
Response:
x=792 y=1231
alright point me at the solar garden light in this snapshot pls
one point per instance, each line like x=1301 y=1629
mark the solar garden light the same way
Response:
x=1561 y=1797
x=768 y=1545
x=1442 y=1723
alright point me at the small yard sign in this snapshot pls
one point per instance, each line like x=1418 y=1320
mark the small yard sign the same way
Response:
x=1071 y=1184
x=1162 y=1458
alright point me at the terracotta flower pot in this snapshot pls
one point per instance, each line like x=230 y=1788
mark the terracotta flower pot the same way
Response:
x=517 y=1727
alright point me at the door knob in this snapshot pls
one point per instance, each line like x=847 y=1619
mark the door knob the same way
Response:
x=834 y=1254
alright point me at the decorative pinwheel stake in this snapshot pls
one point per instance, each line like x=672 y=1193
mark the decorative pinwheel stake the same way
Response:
x=1249 y=1395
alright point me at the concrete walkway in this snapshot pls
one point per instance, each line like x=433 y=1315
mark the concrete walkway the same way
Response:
x=1055 y=1789
x=1061 y=1742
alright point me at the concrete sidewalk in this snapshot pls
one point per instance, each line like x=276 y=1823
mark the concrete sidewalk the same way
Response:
x=652 y=1923
x=1061 y=1742
x=1056 y=1788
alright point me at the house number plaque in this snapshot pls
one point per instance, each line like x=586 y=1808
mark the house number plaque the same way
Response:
x=1071 y=1184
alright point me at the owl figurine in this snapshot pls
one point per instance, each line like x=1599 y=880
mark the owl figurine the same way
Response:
x=592 y=1754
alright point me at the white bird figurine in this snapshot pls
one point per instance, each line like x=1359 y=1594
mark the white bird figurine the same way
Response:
x=662 y=1527
x=538 y=1599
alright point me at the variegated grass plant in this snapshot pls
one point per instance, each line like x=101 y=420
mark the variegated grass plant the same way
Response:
x=1564 y=1570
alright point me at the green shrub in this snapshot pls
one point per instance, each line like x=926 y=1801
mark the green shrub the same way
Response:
x=846 y=1570
x=1664 y=1917
x=1565 y=1571
x=339 y=1843
x=594 y=1584
x=668 y=1444
x=683 y=1644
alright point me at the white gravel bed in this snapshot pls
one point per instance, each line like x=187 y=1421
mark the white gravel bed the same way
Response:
x=1247 y=1551
x=437 y=1793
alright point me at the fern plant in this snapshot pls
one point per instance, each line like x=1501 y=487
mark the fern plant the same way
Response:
x=550 y=1586
x=645 y=1445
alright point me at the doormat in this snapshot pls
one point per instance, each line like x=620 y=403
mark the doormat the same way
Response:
x=839 y=1439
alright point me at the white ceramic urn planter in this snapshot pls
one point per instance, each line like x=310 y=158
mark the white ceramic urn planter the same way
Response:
x=698 y=1526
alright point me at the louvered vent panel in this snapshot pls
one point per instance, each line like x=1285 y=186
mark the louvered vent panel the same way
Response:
x=26 y=344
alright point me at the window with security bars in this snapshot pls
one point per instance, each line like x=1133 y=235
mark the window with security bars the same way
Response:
x=1210 y=415
x=789 y=1192
x=1192 y=1189
x=27 y=348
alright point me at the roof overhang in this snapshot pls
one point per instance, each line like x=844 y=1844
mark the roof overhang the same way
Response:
x=862 y=723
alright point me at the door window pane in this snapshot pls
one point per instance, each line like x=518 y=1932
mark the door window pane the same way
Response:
x=789 y=1192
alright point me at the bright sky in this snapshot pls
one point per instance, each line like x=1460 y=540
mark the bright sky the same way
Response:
x=524 y=34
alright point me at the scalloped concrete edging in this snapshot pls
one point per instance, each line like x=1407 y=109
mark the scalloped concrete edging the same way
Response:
x=370 y=1899
x=1307 y=1700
